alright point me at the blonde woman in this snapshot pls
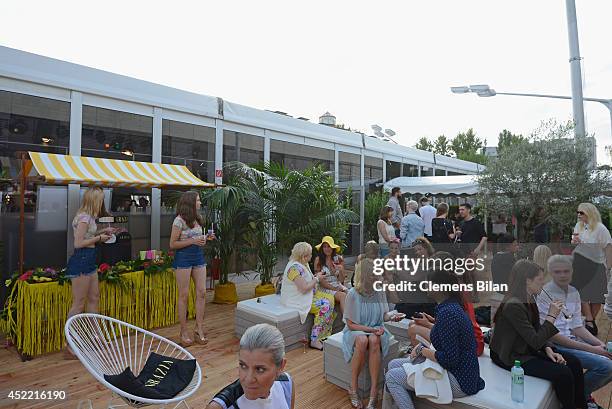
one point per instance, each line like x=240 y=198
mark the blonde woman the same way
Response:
x=541 y=254
x=590 y=265
x=82 y=268
x=364 y=336
x=299 y=291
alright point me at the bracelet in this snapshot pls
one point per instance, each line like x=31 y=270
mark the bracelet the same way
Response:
x=551 y=316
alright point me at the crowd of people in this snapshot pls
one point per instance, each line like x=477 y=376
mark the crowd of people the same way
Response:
x=545 y=320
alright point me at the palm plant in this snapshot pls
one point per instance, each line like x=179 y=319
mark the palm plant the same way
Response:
x=306 y=206
x=224 y=206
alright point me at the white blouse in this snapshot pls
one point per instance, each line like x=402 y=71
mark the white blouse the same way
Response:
x=593 y=242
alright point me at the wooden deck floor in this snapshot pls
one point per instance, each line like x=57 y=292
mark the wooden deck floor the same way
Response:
x=218 y=360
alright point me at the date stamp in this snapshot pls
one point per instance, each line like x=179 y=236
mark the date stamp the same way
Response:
x=37 y=395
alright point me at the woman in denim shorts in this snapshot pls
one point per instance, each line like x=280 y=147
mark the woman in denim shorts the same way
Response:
x=187 y=240
x=82 y=268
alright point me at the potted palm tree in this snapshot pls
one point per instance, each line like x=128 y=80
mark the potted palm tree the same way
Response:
x=223 y=206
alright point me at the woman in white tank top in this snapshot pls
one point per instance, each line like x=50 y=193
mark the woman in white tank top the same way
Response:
x=386 y=230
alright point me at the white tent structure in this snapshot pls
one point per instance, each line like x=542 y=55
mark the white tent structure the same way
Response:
x=436 y=185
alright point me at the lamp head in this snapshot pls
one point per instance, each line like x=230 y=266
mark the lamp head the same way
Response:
x=460 y=90
x=479 y=88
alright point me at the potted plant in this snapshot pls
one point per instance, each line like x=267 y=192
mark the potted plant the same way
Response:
x=223 y=205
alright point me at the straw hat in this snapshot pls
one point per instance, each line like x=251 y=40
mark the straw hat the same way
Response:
x=330 y=241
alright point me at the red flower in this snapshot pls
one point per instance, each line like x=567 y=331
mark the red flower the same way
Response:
x=171 y=253
x=146 y=264
x=26 y=276
x=103 y=268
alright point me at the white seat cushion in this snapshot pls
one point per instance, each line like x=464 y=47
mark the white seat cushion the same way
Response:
x=269 y=307
x=539 y=393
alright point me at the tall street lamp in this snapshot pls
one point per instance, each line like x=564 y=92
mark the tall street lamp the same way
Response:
x=485 y=91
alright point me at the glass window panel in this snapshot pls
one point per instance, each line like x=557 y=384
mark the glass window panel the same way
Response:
x=394 y=169
x=426 y=171
x=451 y=173
x=440 y=172
x=29 y=123
x=116 y=135
x=410 y=170
x=373 y=169
x=349 y=168
x=241 y=147
x=298 y=156
x=189 y=145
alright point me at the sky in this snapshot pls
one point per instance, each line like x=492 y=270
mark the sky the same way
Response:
x=390 y=63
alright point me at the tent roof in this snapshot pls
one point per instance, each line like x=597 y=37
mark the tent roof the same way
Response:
x=444 y=185
x=64 y=169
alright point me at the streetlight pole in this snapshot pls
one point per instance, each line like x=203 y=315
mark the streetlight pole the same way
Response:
x=486 y=91
x=576 y=75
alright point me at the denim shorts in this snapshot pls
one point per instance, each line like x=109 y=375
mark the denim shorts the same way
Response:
x=82 y=262
x=189 y=257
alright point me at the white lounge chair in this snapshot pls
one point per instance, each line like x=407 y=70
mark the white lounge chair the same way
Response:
x=106 y=346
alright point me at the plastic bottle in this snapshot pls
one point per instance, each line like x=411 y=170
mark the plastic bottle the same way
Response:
x=518 y=382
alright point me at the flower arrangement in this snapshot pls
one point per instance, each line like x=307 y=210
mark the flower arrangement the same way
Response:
x=38 y=275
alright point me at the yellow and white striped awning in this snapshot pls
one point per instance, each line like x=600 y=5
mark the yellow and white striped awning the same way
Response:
x=64 y=169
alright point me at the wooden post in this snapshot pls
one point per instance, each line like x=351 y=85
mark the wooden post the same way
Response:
x=22 y=187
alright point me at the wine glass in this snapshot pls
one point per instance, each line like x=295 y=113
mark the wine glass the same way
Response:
x=304 y=342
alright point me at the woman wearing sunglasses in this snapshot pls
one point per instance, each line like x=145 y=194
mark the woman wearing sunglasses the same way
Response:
x=590 y=263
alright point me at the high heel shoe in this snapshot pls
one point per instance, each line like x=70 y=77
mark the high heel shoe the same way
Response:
x=354 y=398
x=372 y=402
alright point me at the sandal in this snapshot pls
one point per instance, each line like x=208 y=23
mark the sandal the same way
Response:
x=185 y=342
x=372 y=402
x=354 y=398
x=200 y=339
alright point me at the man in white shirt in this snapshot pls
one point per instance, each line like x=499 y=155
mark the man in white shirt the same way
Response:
x=573 y=337
x=427 y=213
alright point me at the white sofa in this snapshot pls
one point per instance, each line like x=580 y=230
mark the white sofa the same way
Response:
x=539 y=394
x=270 y=311
x=338 y=371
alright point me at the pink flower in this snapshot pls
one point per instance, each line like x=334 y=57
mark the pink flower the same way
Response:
x=26 y=276
x=103 y=268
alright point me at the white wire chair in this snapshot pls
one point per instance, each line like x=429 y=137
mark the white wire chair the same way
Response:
x=106 y=346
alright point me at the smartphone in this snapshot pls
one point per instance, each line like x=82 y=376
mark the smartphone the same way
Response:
x=417 y=315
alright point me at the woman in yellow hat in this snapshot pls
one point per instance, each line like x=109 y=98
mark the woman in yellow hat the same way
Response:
x=331 y=264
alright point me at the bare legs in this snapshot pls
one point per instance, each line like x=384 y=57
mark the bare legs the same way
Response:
x=183 y=279
x=339 y=297
x=415 y=330
x=84 y=291
x=85 y=294
x=370 y=346
x=199 y=279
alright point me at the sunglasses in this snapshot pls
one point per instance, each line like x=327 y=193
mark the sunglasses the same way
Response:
x=580 y=213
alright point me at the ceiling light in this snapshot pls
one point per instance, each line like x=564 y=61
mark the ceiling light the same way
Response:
x=46 y=139
x=127 y=152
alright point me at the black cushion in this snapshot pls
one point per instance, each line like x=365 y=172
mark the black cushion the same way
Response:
x=161 y=377
x=166 y=376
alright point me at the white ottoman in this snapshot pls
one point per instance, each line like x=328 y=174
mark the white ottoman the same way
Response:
x=539 y=393
x=270 y=311
x=338 y=371
x=399 y=329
